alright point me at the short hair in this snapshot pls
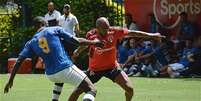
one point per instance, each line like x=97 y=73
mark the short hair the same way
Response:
x=51 y=2
x=39 y=20
x=101 y=20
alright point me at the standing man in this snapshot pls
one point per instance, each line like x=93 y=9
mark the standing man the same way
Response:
x=52 y=15
x=69 y=22
x=59 y=68
x=130 y=23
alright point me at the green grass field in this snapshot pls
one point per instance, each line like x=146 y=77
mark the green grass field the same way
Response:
x=38 y=88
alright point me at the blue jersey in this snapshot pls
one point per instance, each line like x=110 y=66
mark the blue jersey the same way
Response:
x=47 y=45
x=122 y=54
x=160 y=55
x=184 y=60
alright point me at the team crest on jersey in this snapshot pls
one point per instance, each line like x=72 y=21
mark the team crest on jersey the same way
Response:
x=111 y=32
x=110 y=38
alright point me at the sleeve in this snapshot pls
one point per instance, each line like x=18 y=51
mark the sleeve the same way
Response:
x=147 y=50
x=66 y=36
x=27 y=51
x=90 y=35
x=121 y=32
x=130 y=52
x=75 y=21
x=58 y=14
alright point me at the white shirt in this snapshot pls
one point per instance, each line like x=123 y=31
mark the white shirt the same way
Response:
x=132 y=26
x=54 y=16
x=68 y=23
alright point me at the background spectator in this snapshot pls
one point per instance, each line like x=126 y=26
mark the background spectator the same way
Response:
x=186 y=28
x=52 y=15
x=130 y=23
x=183 y=63
x=69 y=22
x=154 y=26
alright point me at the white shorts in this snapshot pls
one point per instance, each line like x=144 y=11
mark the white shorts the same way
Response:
x=177 y=67
x=71 y=75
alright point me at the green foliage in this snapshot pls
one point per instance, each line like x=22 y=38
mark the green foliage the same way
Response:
x=85 y=10
x=20 y=37
x=5 y=25
x=5 y=31
x=8 y=31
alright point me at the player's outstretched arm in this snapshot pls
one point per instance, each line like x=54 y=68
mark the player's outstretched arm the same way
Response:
x=9 y=84
x=76 y=40
x=141 y=34
x=83 y=41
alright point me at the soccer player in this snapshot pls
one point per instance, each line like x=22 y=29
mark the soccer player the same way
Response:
x=70 y=24
x=102 y=60
x=59 y=68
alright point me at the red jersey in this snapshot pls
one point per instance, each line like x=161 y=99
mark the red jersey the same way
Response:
x=104 y=58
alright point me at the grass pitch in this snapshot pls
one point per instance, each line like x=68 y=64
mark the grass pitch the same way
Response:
x=35 y=87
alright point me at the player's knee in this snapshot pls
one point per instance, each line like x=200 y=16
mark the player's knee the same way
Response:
x=93 y=89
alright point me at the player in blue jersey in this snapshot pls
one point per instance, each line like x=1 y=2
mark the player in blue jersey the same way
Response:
x=58 y=66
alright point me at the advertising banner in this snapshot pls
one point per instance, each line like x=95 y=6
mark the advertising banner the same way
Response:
x=166 y=12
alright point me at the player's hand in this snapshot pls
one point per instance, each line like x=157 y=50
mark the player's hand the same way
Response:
x=75 y=53
x=8 y=86
x=158 y=36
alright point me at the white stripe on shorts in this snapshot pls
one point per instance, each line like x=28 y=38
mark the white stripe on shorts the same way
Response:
x=71 y=75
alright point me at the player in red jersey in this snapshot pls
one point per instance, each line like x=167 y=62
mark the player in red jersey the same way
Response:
x=103 y=60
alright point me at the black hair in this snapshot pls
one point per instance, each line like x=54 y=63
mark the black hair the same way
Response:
x=39 y=21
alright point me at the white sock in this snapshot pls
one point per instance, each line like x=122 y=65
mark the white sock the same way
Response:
x=88 y=97
x=56 y=93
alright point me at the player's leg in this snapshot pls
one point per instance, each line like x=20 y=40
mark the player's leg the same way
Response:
x=57 y=91
x=85 y=86
x=123 y=80
x=174 y=68
x=164 y=71
x=58 y=86
x=119 y=76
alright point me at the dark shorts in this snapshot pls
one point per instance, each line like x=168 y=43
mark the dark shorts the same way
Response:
x=111 y=74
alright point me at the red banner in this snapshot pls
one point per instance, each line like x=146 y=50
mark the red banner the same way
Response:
x=166 y=12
